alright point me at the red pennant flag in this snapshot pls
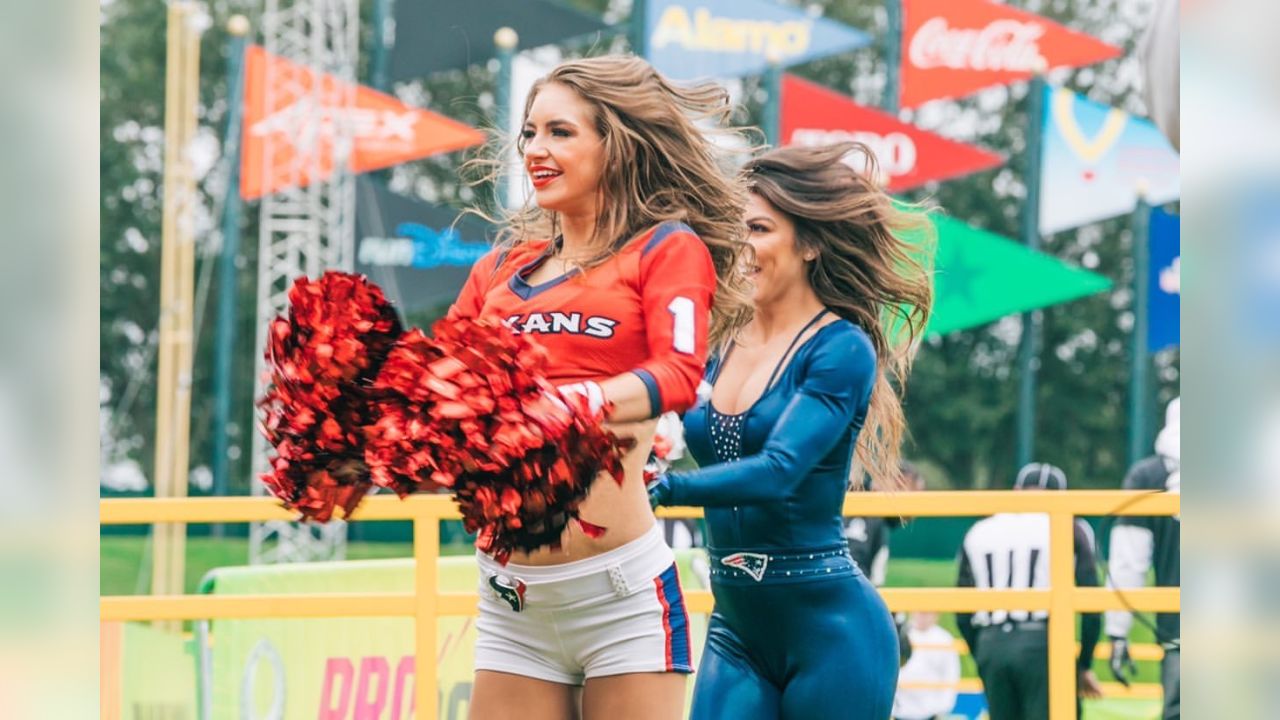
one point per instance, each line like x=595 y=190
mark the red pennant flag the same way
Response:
x=384 y=130
x=952 y=48
x=908 y=156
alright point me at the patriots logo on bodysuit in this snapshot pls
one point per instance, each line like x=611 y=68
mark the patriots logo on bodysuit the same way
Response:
x=752 y=564
x=509 y=589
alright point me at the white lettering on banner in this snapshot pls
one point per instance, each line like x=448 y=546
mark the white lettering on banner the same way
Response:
x=1008 y=45
x=384 y=252
x=895 y=152
x=302 y=119
x=718 y=34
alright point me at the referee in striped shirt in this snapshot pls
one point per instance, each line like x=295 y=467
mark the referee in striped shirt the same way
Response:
x=1010 y=551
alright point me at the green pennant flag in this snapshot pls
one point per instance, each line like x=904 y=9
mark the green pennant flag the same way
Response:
x=980 y=276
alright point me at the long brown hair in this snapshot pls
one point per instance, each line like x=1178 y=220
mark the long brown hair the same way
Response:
x=871 y=269
x=659 y=165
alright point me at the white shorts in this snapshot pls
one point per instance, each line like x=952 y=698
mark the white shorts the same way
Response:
x=616 y=613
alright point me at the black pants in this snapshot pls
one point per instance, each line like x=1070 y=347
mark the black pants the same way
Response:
x=1013 y=663
x=1171 y=681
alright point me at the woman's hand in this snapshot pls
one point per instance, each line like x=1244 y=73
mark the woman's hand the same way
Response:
x=659 y=491
x=588 y=390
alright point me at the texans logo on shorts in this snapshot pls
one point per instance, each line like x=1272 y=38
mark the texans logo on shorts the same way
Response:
x=752 y=564
x=509 y=589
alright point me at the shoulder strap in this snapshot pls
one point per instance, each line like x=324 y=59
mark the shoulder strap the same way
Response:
x=783 y=360
x=722 y=357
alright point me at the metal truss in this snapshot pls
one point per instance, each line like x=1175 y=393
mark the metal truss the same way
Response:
x=305 y=227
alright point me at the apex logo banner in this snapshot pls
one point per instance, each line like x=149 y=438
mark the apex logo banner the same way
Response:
x=305 y=110
x=690 y=39
x=952 y=48
x=908 y=156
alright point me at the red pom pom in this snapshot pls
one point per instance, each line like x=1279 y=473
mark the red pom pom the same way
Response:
x=471 y=409
x=321 y=361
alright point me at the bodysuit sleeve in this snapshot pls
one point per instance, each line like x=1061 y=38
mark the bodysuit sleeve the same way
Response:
x=835 y=389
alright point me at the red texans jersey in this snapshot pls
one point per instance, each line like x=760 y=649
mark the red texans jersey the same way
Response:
x=645 y=310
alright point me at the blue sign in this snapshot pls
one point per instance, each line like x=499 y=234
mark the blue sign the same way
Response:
x=1164 y=328
x=433 y=248
x=695 y=39
x=419 y=254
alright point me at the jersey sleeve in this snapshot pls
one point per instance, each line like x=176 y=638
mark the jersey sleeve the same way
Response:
x=1132 y=549
x=677 y=283
x=838 y=377
x=471 y=299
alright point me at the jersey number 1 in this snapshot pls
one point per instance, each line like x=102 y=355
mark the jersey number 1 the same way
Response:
x=682 y=331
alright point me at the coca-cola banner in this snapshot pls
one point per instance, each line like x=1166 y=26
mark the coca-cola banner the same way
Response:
x=951 y=48
x=1095 y=159
x=906 y=155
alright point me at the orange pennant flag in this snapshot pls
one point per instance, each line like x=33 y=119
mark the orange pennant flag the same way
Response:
x=300 y=118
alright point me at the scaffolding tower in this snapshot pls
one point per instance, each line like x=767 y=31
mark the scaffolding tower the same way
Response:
x=306 y=226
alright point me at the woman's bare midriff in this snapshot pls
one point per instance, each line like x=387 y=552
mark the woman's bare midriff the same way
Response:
x=622 y=510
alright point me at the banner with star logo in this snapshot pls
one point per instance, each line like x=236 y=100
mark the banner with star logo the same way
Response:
x=1096 y=159
x=980 y=276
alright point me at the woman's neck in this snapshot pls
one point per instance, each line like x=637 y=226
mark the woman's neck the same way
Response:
x=577 y=234
x=786 y=313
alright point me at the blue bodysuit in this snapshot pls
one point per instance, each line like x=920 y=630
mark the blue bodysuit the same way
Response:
x=797 y=631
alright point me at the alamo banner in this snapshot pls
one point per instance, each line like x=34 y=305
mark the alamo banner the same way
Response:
x=731 y=38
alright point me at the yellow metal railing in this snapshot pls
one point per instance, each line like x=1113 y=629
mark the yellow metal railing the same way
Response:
x=1063 y=600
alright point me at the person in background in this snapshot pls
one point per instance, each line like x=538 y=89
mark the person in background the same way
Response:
x=1010 y=551
x=869 y=536
x=1138 y=543
x=935 y=663
x=869 y=546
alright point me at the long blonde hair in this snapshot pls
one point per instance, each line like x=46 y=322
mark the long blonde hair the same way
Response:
x=659 y=165
x=867 y=270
